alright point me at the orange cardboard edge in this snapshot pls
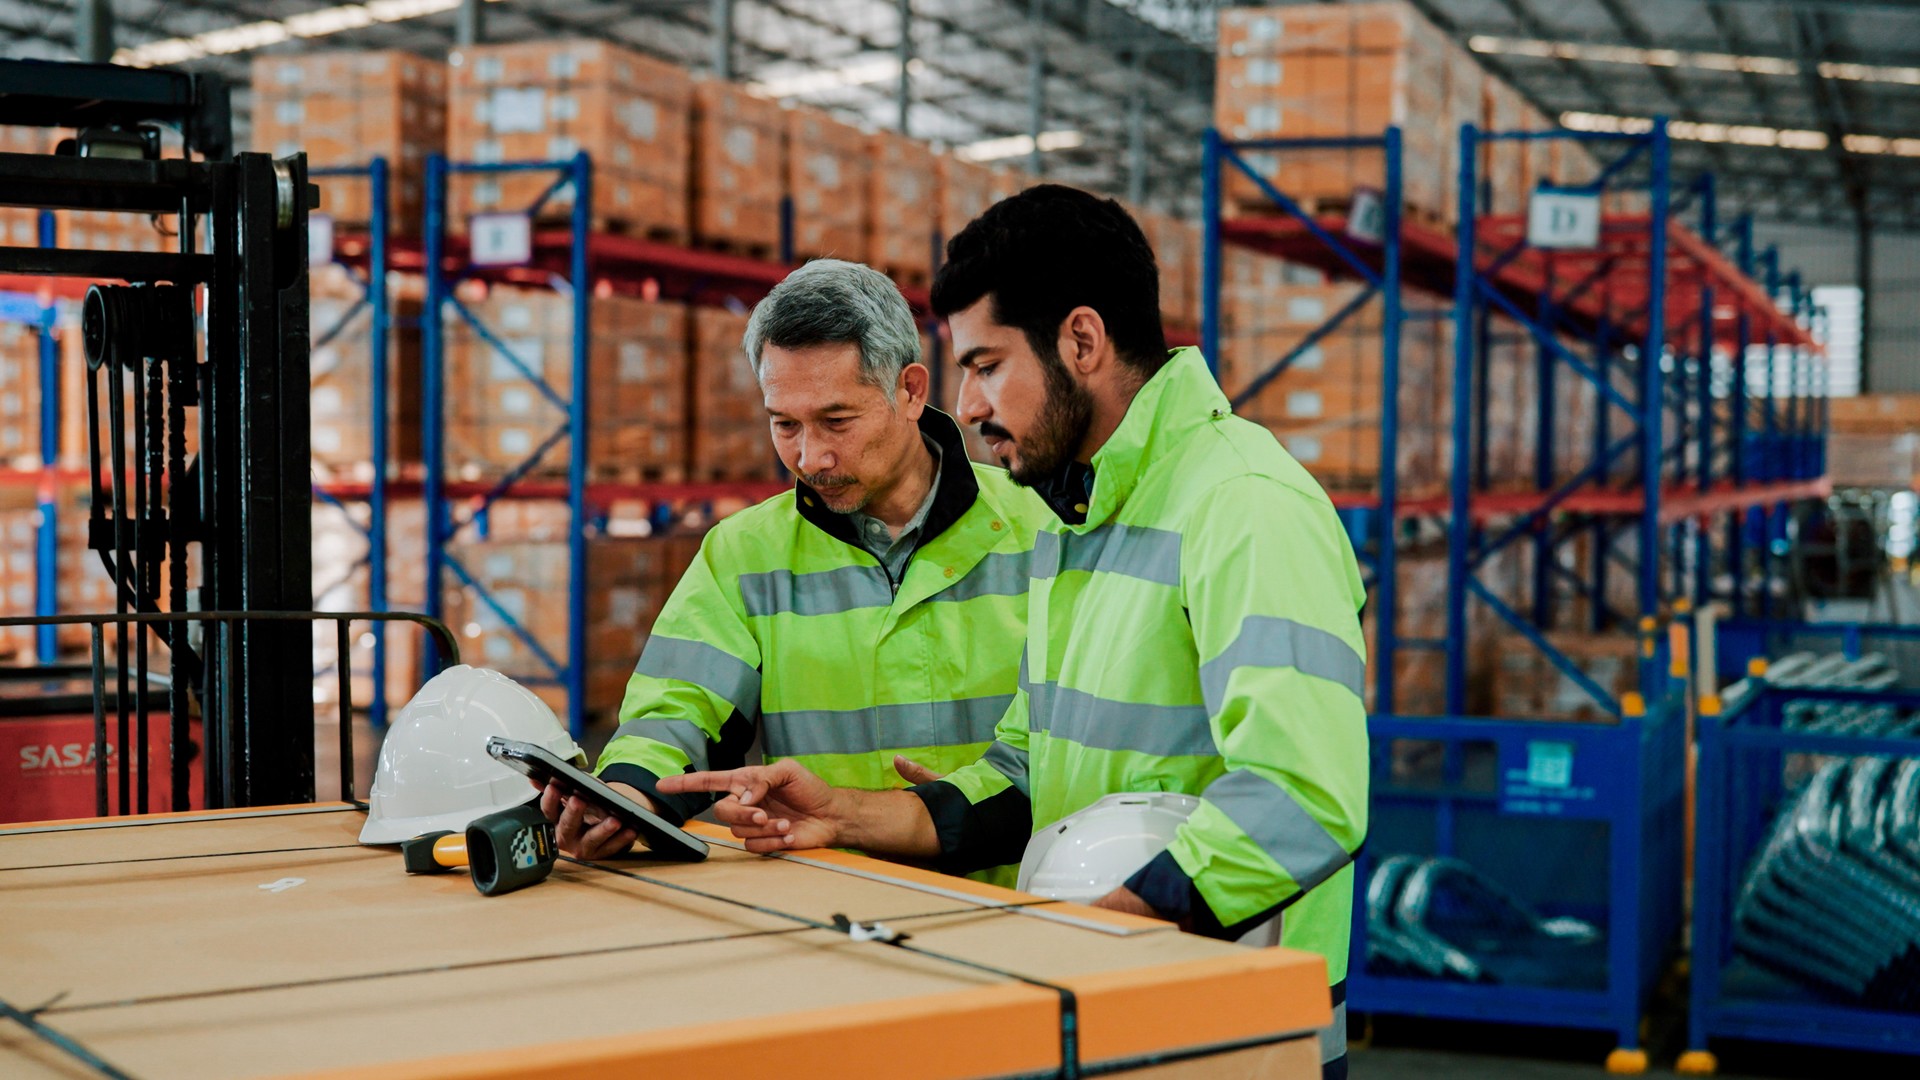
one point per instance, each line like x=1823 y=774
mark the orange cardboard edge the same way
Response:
x=915 y=875
x=993 y=1030
x=179 y=815
x=1248 y=995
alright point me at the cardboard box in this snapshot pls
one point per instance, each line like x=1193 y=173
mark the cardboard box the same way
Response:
x=346 y=107
x=498 y=414
x=547 y=101
x=1527 y=685
x=729 y=436
x=829 y=178
x=900 y=235
x=738 y=173
x=966 y=189
x=341 y=408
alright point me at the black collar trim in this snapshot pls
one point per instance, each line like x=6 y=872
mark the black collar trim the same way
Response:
x=952 y=499
x=1068 y=492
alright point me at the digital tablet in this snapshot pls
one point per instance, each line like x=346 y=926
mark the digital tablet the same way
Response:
x=664 y=841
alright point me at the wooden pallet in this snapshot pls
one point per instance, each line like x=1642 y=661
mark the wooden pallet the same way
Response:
x=764 y=251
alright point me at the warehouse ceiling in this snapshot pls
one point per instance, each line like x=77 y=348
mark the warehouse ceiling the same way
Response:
x=1806 y=110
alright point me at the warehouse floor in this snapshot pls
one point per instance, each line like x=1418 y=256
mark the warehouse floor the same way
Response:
x=1406 y=1049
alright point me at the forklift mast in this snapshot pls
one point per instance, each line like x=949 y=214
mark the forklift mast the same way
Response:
x=210 y=338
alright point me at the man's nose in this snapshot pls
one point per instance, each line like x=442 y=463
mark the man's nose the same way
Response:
x=971 y=406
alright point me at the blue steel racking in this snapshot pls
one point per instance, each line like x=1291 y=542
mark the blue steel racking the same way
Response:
x=1743 y=750
x=577 y=174
x=376 y=300
x=1621 y=303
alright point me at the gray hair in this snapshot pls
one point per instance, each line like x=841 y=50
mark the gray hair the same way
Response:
x=831 y=302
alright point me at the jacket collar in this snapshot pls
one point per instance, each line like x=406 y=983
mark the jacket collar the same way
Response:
x=955 y=491
x=1182 y=397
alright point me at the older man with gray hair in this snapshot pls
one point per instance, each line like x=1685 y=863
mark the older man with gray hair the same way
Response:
x=868 y=623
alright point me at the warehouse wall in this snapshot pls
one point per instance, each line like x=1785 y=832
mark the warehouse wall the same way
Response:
x=1826 y=257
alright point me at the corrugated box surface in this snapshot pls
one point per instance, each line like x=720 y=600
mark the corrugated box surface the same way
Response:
x=627 y=581
x=729 y=436
x=828 y=178
x=1878 y=414
x=346 y=107
x=341 y=413
x=546 y=101
x=20 y=225
x=1527 y=684
x=900 y=236
x=498 y=416
x=967 y=188
x=737 y=167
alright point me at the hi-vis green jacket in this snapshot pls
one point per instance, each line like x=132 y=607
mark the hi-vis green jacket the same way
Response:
x=1193 y=626
x=785 y=628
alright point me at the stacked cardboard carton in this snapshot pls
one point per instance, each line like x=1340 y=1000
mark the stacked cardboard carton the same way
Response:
x=636 y=395
x=547 y=101
x=341 y=413
x=19 y=395
x=1875 y=441
x=737 y=168
x=729 y=419
x=900 y=241
x=82 y=585
x=20 y=225
x=1527 y=684
x=340 y=584
x=828 y=178
x=1176 y=248
x=1305 y=71
x=627 y=581
x=346 y=107
x=1326 y=405
x=967 y=188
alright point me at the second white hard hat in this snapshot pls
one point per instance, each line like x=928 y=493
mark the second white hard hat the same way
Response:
x=1088 y=854
x=434 y=772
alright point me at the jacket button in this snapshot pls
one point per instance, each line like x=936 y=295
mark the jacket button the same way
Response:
x=996 y=526
x=949 y=571
x=1079 y=508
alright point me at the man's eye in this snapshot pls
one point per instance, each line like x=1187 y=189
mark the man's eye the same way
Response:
x=786 y=426
x=983 y=370
x=839 y=423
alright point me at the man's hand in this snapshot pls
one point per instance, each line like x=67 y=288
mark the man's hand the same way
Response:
x=913 y=772
x=774 y=807
x=581 y=830
x=1123 y=899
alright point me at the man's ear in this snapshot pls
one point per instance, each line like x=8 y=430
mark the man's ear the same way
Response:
x=916 y=382
x=1083 y=340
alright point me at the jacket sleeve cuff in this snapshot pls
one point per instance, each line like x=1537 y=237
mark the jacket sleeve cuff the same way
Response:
x=1167 y=889
x=976 y=836
x=675 y=808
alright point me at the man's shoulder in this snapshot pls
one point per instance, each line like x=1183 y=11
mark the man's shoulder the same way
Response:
x=751 y=529
x=1019 y=505
x=1237 y=467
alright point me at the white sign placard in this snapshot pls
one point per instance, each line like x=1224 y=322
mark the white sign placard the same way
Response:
x=319 y=239
x=1562 y=220
x=501 y=239
x=1367 y=220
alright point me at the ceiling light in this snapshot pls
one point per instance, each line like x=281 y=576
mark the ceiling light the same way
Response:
x=1018 y=145
x=258 y=35
x=809 y=82
x=1743 y=134
x=1676 y=58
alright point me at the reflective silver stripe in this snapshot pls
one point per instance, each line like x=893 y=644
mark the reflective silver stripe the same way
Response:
x=704 y=665
x=1099 y=724
x=1333 y=1037
x=798 y=732
x=825 y=592
x=1011 y=763
x=1280 y=825
x=1128 y=550
x=1267 y=641
x=682 y=735
x=1001 y=573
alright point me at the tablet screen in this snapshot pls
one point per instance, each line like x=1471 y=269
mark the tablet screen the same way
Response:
x=663 y=840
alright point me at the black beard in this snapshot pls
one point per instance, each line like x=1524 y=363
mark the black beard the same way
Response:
x=1062 y=428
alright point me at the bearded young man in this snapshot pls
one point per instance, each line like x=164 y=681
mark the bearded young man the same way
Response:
x=1193 y=614
x=867 y=624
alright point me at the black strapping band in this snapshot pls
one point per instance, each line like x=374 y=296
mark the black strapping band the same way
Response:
x=30 y=1019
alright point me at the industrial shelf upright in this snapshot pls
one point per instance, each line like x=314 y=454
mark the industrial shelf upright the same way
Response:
x=1375 y=264
x=1625 y=305
x=375 y=298
x=441 y=526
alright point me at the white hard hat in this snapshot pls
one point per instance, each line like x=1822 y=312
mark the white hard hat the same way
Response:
x=1086 y=855
x=434 y=771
